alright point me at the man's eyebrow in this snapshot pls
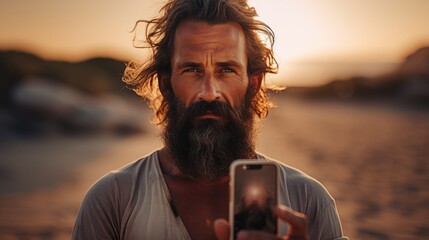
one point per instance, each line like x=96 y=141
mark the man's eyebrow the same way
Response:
x=189 y=64
x=229 y=64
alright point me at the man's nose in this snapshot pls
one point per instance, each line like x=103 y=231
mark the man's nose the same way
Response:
x=209 y=88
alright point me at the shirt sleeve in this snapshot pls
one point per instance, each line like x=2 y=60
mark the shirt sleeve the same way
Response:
x=326 y=224
x=323 y=219
x=98 y=216
x=309 y=196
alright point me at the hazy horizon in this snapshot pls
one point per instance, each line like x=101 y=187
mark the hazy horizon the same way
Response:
x=365 y=32
x=291 y=74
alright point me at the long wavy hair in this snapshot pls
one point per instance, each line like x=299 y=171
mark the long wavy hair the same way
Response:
x=160 y=32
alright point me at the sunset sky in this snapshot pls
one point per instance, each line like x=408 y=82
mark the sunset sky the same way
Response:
x=313 y=32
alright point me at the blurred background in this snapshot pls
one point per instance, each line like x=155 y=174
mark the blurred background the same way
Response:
x=354 y=114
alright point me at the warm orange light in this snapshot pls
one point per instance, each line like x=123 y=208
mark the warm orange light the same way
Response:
x=306 y=30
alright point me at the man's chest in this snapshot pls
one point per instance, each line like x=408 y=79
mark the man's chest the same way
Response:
x=199 y=205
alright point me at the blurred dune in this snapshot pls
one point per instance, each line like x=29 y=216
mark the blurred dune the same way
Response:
x=407 y=85
x=40 y=97
x=64 y=125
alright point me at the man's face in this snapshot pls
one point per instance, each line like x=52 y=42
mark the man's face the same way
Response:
x=209 y=62
x=209 y=121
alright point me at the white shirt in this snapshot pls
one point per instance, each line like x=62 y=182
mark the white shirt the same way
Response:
x=135 y=203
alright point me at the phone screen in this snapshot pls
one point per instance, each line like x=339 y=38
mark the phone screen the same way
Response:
x=255 y=196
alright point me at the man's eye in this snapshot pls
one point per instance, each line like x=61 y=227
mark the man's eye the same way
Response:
x=191 y=70
x=227 y=70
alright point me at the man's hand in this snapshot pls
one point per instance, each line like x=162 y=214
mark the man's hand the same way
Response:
x=296 y=220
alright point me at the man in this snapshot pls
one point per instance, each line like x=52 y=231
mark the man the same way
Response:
x=204 y=82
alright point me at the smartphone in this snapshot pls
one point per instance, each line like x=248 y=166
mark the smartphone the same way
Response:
x=253 y=196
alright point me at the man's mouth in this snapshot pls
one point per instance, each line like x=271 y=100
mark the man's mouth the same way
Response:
x=209 y=115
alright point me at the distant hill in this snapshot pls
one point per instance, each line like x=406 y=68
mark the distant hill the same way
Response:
x=95 y=76
x=409 y=84
x=39 y=97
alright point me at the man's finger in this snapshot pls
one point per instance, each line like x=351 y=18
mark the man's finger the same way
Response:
x=221 y=228
x=297 y=221
x=294 y=218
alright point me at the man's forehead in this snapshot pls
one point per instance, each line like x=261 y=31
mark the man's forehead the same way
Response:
x=224 y=40
x=192 y=33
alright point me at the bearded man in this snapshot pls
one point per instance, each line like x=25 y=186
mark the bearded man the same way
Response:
x=205 y=81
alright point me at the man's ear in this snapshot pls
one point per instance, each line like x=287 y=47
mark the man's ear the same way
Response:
x=164 y=84
x=255 y=82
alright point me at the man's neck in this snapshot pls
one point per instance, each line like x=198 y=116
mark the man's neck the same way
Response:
x=169 y=168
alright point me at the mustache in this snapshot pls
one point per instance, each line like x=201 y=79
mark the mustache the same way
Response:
x=215 y=107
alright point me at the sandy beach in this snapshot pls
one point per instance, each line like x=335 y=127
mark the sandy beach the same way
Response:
x=373 y=159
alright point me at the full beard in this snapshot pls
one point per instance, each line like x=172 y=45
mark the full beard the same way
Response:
x=205 y=148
